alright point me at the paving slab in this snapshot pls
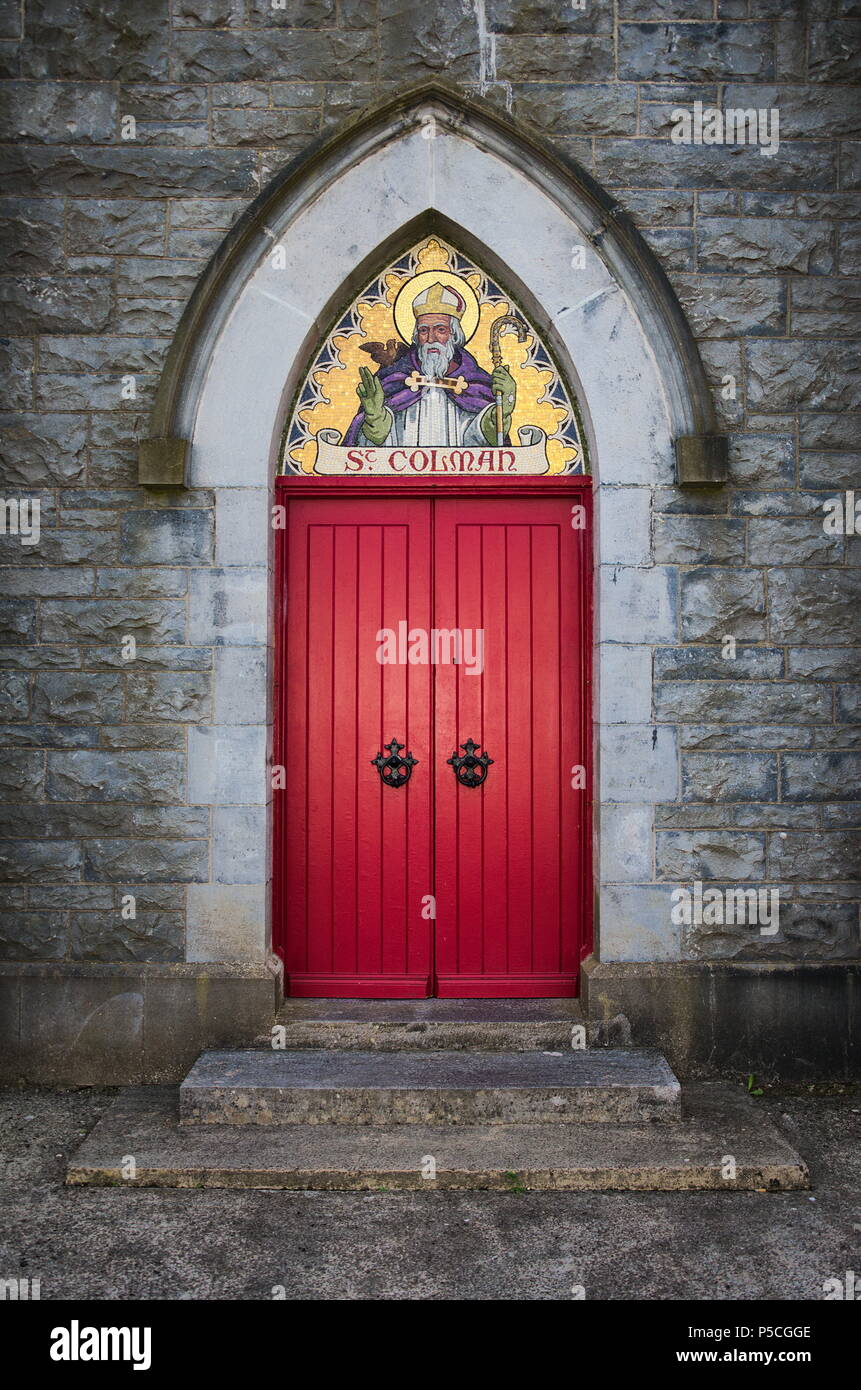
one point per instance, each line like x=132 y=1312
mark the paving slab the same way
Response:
x=724 y=1143
x=374 y=1088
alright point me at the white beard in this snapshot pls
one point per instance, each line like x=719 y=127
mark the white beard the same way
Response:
x=435 y=358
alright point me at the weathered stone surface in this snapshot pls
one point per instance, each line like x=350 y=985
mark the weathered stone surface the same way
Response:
x=757 y=244
x=167 y=537
x=289 y=130
x=814 y=607
x=182 y=696
x=685 y=540
x=721 y=306
x=22 y=776
x=129 y=171
x=707 y=663
x=17 y=621
x=729 y=777
x=100 y=619
x=717 y=602
x=14 y=695
x=745 y=736
x=685 y=856
x=58 y=112
x=562 y=58
x=835 y=310
x=145 y=861
x=814 y=375
x=130 y=226
x=152 y=936
x=100 y=39
x=835 y=50
x=33 y=935
x=650 y=209
x=809 y=112
x=791 y=541
x=23 y=861
x=806 y=932
x=807 y=855
x=823 y=663
x=727 y=701
x=87 y=775
x=655 y=52
x=31 y=235
x=234 y=57
x=592 y=107
x=71 y=304
x=77 y=697
x=804 y=164
x=821 y=776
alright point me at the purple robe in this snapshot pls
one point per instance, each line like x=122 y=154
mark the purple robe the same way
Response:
x=477 y=396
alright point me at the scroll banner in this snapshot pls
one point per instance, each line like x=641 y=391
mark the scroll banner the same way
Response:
x=411 y=460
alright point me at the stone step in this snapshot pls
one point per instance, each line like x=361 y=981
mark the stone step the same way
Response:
x=688 y=1156
x=309 y=1087
x=437 y=1025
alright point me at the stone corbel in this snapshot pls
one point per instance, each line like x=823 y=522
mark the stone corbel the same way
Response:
x=702 y=460
x=161 y=462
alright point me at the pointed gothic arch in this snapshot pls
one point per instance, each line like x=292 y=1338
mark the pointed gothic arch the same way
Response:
x=427 y=162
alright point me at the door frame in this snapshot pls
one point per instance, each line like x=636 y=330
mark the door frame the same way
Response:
x=289 y=486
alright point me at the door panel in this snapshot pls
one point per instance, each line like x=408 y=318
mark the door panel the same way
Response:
x=505 y=861
x=508 y=885
x=358 y=854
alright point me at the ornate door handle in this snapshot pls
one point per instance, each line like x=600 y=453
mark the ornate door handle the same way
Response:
x=394 y=770
x=470 y=771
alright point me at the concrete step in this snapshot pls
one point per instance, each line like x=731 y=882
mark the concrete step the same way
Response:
x=436 y=1025
x=309 y=1087
x=719 y=1122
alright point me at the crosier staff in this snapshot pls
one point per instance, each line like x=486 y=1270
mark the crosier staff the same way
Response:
x=496 y=330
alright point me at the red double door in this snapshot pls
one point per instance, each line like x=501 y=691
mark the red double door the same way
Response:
x=466 y=882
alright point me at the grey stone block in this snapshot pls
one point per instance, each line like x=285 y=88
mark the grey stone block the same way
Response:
x=127 y=171
x=77 y=697
x=691 y=540
x=834 y=855
x=147 y=861
x=99 y=620
x=791 y=541
x=31 y=235
x=29 y=862
x=804 y=164
x=708 y=663
x=626 y=843
x=638 y=605
x=59 y=112
x=239 y=844
x=835 y=50
x=177 y=696
x=729 y=777
x=240 y=685
x=814 y=607
x=106 y=936
x=718 y=602
x=70 y=304
x=655 y=52
x=762 y=460
x=813 y=376
x=225 y=607
x=686 y=856
x=227 y=764
x=241 y=57
x=22 y=776
x=560 y=58
x=720 y=306
x=729 y=701
x=758 y=244
x=226 y=922
x=33 y=935
x=636 y=923
x=176 y=537
x=589 y=108
x=14 y=694
x=820 y=777
x=87 y=775
x=96 y=39
x=638 y=763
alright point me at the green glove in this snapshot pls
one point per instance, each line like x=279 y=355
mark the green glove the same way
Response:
x=378 y=417
x=503 y=385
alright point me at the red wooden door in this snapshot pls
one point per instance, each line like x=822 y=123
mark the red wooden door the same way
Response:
x=508 y=882
x=357 y=862
x=357 y=854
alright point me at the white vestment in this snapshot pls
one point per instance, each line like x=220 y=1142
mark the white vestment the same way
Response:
x=434 y=419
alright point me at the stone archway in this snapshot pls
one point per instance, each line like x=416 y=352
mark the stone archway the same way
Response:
x=422 y=161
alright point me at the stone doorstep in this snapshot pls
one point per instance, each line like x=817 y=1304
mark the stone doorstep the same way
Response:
x=440 y=1025
x=689 y=1156
x=383 y=1088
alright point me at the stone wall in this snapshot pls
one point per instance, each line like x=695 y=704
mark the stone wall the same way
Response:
x=106 y=225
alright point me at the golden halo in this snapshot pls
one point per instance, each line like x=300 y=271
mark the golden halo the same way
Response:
x=403 y=308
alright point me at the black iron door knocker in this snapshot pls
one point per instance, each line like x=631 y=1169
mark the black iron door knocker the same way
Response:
x=471 y=770
x=394 y=770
